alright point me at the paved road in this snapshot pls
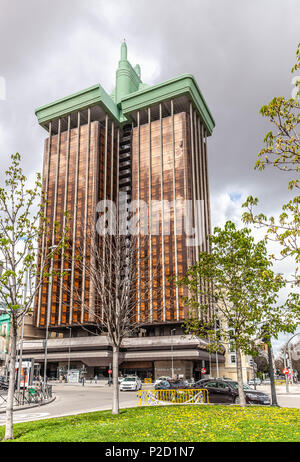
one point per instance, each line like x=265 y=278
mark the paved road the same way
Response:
x=289 y=400
x=72 y=400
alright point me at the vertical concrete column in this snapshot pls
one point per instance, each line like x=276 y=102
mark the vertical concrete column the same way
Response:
x=194 y=196
x=162 y=212
x=175 y=209
x=50 y=286
x=139 y=213
x=104 y=197
x=74 y=221
x=64 y=220
x=44 y=224
x=150 y=214
x=95 y=159
x=86 y=195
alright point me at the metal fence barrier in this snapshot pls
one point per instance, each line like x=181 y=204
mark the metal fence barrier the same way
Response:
x=180 y=396
x=33 y=395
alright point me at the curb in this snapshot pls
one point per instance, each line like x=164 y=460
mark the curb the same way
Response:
x=21 y=408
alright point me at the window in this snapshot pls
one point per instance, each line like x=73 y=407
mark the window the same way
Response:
x=222 y=385
x=211 y=384
x=232 y=359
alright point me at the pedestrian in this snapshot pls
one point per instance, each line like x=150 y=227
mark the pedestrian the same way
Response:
x=96 y=378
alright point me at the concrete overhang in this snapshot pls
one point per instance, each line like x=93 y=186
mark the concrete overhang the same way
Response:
x=103 y=357
x=135 y=349
x=171 y=89
x=94 y=97
x=102 y=342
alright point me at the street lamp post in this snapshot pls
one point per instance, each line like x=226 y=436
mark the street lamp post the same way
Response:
x=69 y=360
x=172 y=359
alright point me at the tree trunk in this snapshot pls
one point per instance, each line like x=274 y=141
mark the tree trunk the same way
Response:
x=115 y=371
x=240 y=377
x=9 y=429
x=272 y=378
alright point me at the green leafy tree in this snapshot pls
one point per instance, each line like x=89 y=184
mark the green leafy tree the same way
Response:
x=282 y=148
x=243 y=296
x=282 y=151
x=22 y=224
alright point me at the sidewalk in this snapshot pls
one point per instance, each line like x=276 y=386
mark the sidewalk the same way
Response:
x=294 y=389
x=26 y=406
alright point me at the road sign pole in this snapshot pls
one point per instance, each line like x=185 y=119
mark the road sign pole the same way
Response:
x=286 y=377
x=109 y=375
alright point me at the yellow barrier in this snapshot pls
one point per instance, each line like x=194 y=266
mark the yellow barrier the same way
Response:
x=182 y=396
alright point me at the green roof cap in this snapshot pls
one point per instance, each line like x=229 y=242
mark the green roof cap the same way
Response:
x=129 y=95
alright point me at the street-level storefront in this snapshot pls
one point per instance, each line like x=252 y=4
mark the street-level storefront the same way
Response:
x=148 y=357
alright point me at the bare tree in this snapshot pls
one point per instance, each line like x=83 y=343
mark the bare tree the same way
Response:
x=22 y=226
x=117 y=291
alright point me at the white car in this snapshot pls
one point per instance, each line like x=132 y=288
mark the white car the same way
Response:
x=131 y=384
x=257 y=381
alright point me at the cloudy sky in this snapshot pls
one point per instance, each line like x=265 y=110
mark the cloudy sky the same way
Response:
x=240 y=52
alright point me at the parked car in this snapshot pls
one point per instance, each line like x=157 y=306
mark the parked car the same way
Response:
x=257 y=381
x=171 y=385
x=162 y=385
x=131 y=384
x=160 y=379
x=199 y=383
x=266 y=382
x=222 y=391
x=120 y=379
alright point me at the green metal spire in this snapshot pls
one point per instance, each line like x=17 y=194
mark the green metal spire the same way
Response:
x=123 y=51
x=127 y=79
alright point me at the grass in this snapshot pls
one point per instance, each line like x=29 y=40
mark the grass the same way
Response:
x=168 y=424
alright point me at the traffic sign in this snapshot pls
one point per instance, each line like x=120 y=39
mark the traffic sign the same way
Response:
x=203 y=370
x=109 y=371
x=286 y=371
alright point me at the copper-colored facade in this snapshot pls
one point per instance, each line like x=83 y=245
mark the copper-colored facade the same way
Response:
x=165 y=161
x=169 y=163
x=80 y=168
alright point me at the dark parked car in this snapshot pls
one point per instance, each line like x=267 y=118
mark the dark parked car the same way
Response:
x=199 y=382
x=221 y=391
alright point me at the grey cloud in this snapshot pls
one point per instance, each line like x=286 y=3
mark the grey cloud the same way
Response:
x=240 y=52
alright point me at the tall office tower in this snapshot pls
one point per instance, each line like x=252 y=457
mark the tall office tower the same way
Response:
x=149 y=142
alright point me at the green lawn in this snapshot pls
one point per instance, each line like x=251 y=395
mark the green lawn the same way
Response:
x=168 y=423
